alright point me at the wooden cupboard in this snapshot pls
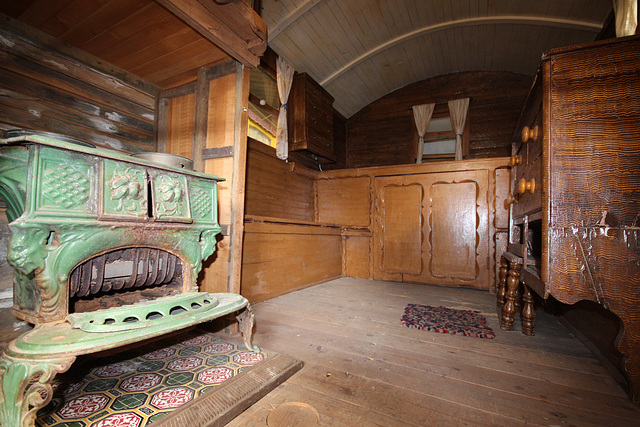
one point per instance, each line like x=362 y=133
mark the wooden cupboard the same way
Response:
x=439 y=223
x=433 y=228
x=576 y=188
x=310 y=119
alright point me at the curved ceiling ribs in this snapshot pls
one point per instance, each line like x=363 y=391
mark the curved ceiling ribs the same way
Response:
x=299 y=33
x=542 y=21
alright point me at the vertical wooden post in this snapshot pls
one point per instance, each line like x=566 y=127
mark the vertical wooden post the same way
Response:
x=162 y=125
x=239 y=177
x=200 y=120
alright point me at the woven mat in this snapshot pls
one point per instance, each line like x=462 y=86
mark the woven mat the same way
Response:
x=142 y=386
x=447 y=321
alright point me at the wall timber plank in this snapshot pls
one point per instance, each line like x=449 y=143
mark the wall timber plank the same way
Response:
x=345 y=201
x=357 y=256
x=47 y=86
x=383 y=133
x=280 y=258
x=273 y=190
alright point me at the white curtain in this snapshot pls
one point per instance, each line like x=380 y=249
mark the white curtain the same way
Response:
x=422 y=115
x=458 y=113
x=284 y=73
x=626 y=12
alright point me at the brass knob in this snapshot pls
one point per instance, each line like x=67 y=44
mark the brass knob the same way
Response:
x=513 y=199
x=528 y=134
x=524 y=186
x=516 y=160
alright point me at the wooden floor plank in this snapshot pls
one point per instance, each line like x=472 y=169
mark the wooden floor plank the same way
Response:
x=471 y=369
x=462 y=395
x=361 y=368
x=391 y=330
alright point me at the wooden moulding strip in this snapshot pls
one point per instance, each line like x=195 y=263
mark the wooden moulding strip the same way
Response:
x=232 y=397
x=284 y=228
x=433 y=167
x=287 y=221
x=217 y=152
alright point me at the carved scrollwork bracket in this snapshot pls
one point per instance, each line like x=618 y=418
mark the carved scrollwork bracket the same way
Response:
x=25 y=386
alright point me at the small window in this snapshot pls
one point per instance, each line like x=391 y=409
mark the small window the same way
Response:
x=263 y=106
x=440 y=138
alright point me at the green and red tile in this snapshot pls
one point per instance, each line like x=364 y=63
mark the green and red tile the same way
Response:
x=140 y=386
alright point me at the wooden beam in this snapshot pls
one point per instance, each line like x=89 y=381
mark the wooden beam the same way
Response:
x=234 y=26
x=178 y=91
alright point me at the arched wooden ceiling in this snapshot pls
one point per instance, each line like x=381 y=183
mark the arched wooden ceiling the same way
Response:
x=360 y=50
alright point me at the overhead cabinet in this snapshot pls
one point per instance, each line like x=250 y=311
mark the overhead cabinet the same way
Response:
x=310 y=119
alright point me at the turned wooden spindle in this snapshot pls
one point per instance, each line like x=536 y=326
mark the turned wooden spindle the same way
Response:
x=528 y=134
x=524 y=186
x=509 y=309
x=528 y=312
x=502 y=285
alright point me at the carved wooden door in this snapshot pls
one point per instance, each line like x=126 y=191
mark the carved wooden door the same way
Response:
x=432 y=228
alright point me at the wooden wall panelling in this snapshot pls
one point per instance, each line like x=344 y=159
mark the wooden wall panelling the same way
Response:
x=181 y=113
x=398 y=227
x=52 y=87
x=273 y=190
x=345 y=201
x=228 y=96
x=357 y=255
x=381 y=133
x=490 y=177
x=208 y=114
x=280 y=258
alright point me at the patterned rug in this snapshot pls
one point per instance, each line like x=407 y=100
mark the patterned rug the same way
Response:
x=140 y=386
x=447 y=321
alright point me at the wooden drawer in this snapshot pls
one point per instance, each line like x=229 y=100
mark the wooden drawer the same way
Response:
x=530 y=200
x=528 y=169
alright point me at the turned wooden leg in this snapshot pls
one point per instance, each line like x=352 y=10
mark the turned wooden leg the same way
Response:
x=518 y=297
x=528 y=312
x=509 y=309
x=502 y=285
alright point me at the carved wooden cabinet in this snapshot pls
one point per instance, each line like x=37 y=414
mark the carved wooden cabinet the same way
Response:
x=575 y=197
x=310 y=119
x=440 y=226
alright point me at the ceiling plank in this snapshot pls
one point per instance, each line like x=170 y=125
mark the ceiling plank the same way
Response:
x=234 y=26
x=550 y=22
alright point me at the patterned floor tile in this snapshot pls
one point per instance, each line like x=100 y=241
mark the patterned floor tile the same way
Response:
x=135 y=389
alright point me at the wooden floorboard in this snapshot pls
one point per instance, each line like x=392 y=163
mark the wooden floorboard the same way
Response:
x=362 y=367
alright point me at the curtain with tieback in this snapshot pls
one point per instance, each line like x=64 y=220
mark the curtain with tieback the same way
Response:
x=284 y=77
x=422 y=116
x=458 y=113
